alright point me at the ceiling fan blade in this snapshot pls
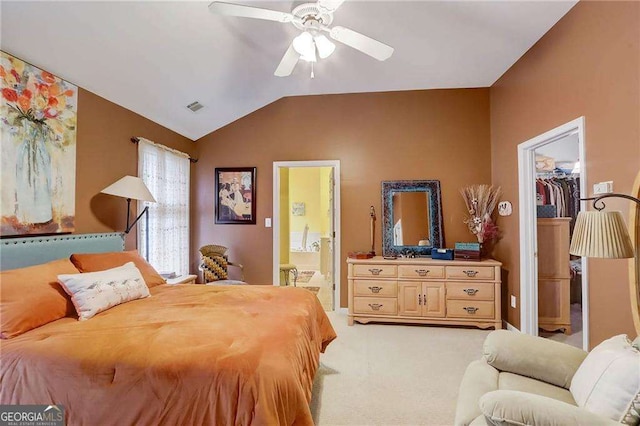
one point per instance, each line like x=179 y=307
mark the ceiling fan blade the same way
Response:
x=288 y=62
x=361 y=42
x=229 y=9
x=330 y=5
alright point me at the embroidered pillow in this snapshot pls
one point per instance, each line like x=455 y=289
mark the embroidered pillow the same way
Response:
x=94 y=292
x=608 y=381
x=94 y=262
x=31 y=297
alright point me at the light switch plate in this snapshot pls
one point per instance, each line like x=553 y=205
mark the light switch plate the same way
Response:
x=603 y=188
x=267 y=222
x=513 y=301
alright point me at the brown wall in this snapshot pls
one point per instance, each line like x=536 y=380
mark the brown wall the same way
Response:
x=105 y=154
x=587 y=65
x=432 y=134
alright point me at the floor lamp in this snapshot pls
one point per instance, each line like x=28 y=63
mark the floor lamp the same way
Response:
x=604 y=234
x=133 y=188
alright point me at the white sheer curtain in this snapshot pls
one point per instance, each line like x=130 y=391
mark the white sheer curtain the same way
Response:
x=166 y=174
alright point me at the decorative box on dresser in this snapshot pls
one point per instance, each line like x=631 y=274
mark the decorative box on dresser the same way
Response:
x=554 y=275
x=425 y=291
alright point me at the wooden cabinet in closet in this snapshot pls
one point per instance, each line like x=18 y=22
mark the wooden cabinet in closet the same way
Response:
x=554 y=274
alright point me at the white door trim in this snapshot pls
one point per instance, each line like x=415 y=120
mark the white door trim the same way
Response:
x=336 y=214
x=529 y=229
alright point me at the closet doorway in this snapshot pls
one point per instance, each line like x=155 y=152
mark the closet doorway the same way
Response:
x=553 y=284
x=306 y=224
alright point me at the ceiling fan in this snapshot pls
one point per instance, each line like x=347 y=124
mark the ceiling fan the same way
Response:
x=313 y=19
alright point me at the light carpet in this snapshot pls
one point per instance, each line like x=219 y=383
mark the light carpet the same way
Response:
x=378 y=374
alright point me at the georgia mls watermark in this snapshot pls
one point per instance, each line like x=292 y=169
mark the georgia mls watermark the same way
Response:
x=31 y=415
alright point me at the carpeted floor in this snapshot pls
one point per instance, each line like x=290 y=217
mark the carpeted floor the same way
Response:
x=392 y=374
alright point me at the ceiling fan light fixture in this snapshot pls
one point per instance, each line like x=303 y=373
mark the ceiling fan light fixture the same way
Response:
x=303 y=44
x=324 y=45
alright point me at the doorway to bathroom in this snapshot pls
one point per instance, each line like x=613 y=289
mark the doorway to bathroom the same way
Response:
x=306 y=227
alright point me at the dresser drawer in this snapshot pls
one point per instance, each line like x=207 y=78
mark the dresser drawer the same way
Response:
x=470 y=309
x=470 y=291
x=420 y=271
x=375 y=306
x=470 y=272
x=375 y=270
x=376 y=288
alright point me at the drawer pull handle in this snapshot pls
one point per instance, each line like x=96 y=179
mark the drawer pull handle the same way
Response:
x=470 y=291
x=422 y=272
x=470 y=309
x=375 y=289
x=375 y=271
x=375 y=306
x=471 y=274
x=419 y=299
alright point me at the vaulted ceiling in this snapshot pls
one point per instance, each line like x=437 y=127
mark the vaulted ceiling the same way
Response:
x=155 y=58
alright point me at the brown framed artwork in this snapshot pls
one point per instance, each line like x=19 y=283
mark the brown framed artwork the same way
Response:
x=236 y=195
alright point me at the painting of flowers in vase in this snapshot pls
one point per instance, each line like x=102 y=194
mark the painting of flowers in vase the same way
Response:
x=38 y=150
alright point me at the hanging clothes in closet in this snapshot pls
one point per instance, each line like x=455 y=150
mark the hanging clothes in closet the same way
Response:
x=561 y=191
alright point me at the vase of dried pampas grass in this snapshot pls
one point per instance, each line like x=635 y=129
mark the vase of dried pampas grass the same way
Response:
x=481 y=202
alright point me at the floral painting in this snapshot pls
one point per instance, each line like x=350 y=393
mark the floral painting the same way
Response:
x=38 y=150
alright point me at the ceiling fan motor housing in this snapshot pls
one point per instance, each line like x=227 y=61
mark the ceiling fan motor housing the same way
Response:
x=311 y=17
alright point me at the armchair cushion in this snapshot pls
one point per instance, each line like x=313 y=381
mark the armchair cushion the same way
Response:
x=505 y=407
x=608 y=381
x=542 y=359
x=515 y=382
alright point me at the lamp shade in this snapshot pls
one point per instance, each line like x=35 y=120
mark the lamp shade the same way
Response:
x=304 y=45
x=324 y=45
x=601 y=234
x=130 y=187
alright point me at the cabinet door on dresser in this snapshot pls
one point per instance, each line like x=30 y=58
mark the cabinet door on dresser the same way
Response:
x=433 y=302
x=410 y=298
x=421 y=299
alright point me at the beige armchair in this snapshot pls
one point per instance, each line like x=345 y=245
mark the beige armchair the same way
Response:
x=523 y=380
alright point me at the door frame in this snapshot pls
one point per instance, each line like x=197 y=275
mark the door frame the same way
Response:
x=335 y=164
x=529 y=227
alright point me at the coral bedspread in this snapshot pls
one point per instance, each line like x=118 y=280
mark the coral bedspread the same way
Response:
x=187 y=355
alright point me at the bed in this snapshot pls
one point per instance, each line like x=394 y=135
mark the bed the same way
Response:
x=187 y=355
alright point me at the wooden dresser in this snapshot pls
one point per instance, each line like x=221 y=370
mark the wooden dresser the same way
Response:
x=554 y=275
x=425 y=291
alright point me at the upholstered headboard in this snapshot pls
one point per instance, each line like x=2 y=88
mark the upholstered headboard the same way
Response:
x=21 y=252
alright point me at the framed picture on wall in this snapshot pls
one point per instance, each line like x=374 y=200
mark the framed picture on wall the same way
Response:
x=235 y=202
x=38 y=150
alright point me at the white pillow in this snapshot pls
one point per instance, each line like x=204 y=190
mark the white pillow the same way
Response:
x=608 y=381
x=94 y=292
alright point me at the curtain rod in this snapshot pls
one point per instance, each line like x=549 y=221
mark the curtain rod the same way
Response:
x=135 y=140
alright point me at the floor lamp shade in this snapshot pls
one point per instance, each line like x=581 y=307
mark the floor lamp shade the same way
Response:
x=130 y=187
x=601 y=234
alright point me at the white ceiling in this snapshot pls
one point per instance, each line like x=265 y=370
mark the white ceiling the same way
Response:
x=155 y=58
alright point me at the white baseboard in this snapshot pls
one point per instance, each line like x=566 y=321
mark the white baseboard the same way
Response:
x=509 y=326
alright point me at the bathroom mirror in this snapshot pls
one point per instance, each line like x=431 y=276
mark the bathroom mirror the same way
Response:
x=412 y=217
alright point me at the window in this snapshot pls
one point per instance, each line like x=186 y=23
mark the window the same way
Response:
x=166 y=174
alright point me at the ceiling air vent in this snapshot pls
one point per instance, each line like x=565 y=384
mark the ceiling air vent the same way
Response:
x=195 y=106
